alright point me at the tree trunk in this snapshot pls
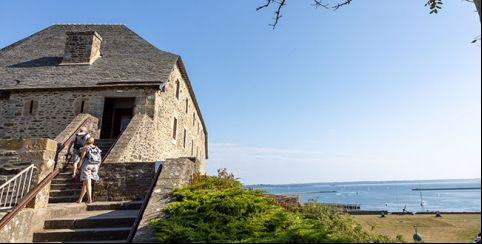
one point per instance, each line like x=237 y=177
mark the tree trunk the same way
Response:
x=477 y=6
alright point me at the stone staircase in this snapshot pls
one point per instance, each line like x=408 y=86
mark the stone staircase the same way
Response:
x=99 y=222
x=102 y=222
x=11 y=165
x=104 y=145
x=64 y=189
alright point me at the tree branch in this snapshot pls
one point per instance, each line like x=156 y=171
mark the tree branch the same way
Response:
x=341 y=4
x=319 y=3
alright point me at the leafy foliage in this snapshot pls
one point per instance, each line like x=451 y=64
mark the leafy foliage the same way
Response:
x=434 y=5
x=219 y=209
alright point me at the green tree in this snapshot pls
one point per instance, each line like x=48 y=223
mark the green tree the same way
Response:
x=219 y=209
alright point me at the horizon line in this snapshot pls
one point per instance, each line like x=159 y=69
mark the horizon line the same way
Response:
x=361 y=181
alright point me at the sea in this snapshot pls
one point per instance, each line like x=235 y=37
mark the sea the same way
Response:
x=392 y=196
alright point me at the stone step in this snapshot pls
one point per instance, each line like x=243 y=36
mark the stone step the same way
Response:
x=132 y=205
x=104 y=141
x=63 y=199
x=94 y=219
x=62 y=180
x=109 y=241
x=85 y=234
x=74 y=192
x=98 y=206
x=68 y=186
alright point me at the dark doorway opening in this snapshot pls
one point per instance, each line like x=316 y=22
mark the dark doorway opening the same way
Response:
x=118 y=112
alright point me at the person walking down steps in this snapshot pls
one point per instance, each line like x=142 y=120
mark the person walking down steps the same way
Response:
x=90 y=161
x=78 y=142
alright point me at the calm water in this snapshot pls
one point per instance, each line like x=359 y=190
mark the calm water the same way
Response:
x=391 y=196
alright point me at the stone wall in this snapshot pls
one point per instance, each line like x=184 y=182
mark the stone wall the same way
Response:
x=39 y=152
x=123 y=181
x=54 y=110
x=175 y=173
x=151 y=138
x=169 y=107
x=138 y=143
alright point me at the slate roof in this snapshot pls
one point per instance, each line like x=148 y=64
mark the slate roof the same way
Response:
x=33 y=62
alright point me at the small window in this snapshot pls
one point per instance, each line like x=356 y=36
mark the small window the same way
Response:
x=178 y=89
x=193 y=119
x=82 y=105
x=30 y=110
x=187 y=105
x=192 y=147
x=174 y=129
x=184 y=139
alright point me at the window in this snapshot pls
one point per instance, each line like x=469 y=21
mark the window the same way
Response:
x=30 y=110
x=174 y=129
x=184 y=139
x=178 y=89
x=192 y=147
x=193 y=119
x=187 y=105
x=82 y=107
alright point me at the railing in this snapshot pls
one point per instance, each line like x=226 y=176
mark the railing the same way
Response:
x=46 y=181
x=134 y=227
x=16 y=188
x=10 y=215
x=61 y=146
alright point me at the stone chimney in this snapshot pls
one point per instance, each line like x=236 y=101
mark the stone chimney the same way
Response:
x=81 y=47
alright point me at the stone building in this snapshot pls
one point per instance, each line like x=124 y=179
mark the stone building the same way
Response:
x=140 y=96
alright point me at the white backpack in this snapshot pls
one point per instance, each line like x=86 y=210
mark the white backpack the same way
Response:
x=94 y=155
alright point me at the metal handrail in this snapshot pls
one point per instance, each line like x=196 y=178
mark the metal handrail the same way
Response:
x=31 y=195
x=21 y=186
x=10 y=215
x=134 y=227
x=61 y=146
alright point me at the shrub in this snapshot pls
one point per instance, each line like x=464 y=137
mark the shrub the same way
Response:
x=219 y=209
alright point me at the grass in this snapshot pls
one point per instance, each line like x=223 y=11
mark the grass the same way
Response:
x=452 y=228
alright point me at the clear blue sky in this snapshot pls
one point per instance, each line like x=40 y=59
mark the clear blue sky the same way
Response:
x=379 y=90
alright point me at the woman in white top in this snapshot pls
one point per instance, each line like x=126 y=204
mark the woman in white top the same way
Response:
x=90 y=161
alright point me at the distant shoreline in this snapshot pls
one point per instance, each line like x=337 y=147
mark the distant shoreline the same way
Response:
x=357 y=182
x=446 y=189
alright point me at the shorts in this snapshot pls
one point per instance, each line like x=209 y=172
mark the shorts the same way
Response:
x=75 y=156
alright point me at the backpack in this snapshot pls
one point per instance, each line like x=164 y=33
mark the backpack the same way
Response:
x=94 y=155
x=79 y=141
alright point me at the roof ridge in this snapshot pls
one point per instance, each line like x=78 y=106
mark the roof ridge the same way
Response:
x=85 y=24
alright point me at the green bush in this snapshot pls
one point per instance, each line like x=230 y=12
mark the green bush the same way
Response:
x=219 y=209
